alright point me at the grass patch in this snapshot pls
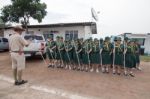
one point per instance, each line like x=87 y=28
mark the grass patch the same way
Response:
x=145 y=58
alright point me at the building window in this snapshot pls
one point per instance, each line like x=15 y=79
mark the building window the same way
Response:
x=73 y=34
x=93 y=28
x=141 y=41
x=48 y=34
x=30 y=32
x=5 y=40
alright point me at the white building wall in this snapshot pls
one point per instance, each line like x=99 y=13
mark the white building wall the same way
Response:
x=147 y=45
x=8 y=32
x=88 y=33
x=147 y=41
x=83 y=31
x=132 y=36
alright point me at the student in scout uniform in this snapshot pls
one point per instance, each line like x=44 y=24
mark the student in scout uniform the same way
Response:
x=61 y=49
x=100 y=46
x=118 y=52
x=77 y=49
x=50 y=52
x=95 y=56
x=86 y=54
x=130 y=58
x=74 y=55
x=106 y=55
x=91 y=43
x=81 y=40
x=67 y=54
x=137 y=54
x=58 y=52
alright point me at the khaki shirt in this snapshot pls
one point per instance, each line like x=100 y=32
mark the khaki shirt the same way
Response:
x=16 y=42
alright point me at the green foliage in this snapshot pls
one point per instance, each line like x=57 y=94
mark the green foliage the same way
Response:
x=22 y=10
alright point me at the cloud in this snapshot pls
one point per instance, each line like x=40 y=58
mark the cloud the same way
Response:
x=51 y=17
x=117 y=16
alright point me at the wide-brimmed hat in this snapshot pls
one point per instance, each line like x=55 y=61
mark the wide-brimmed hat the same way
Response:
x=18 y=28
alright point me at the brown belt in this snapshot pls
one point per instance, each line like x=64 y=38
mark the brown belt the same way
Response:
x=15 y=51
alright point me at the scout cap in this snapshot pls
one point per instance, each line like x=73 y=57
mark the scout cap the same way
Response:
x=119 y=39
x=107 y=38
x=126 y=38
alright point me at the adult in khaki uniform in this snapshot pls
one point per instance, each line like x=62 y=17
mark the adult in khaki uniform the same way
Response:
x=16 y=44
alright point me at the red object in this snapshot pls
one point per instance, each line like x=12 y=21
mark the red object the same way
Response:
x=42 y=46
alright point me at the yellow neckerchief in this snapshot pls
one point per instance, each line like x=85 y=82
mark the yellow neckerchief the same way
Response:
x=117 y=45
x=49 y=43
x=66 y=45
x=95 y=46
x=125 y=44
x=87 y=46
x=107 y=45
x=59 y=44
x=132 y=48
x=136 y=47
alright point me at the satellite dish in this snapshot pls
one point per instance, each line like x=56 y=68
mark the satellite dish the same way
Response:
x=94 y=14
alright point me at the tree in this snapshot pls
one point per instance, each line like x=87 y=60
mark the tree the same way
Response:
x=20 y=11
x=1 y=23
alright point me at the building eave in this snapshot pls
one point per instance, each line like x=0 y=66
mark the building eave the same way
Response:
x=58 y=25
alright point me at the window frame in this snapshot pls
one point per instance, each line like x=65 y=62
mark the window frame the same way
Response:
x=73 y=34
x=5 y=40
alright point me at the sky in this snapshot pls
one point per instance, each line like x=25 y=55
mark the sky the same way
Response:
x=115 y=17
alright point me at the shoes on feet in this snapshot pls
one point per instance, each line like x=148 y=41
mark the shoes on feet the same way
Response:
x=21 y=82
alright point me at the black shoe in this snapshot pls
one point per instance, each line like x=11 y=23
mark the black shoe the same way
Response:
x=118 y=73
x=16 y=83
x=78 y=69
x=86 y=71
x=22 y=82
x=107 y=72
x=49 y=66
x=74 y=68
x=131 y=75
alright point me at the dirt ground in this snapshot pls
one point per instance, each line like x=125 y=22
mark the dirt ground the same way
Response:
x=91 y=85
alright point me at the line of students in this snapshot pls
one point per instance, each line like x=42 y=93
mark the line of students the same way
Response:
x=94 y=55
